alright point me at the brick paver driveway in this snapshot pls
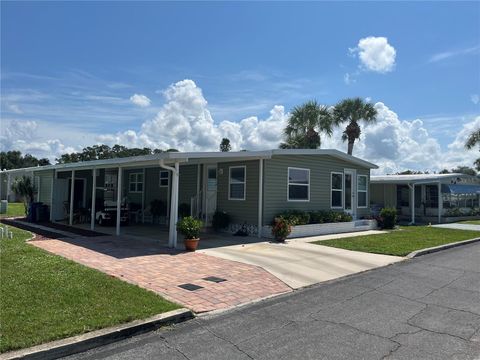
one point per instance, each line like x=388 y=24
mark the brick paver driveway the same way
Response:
x=161 y=270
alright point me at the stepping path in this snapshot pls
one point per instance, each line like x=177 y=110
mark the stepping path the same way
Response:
x=162 y=270
x=458 y=226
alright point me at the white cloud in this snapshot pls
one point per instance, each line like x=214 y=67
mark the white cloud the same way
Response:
x=475 y=98
x=14 y=108
x=375 y=54
x=140 y=100
x=453 y=53
x=185 y=122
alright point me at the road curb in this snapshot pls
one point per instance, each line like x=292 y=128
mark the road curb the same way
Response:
x=417 y=253
x=90 y=340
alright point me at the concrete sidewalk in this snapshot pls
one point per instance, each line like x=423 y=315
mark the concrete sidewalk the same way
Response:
x=300 y=264
x=458 y=226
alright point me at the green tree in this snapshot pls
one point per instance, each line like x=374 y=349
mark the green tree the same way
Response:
x=225 y=145
x=24 y=188
x=15 y=160
x=305 y=125
x=352 y=111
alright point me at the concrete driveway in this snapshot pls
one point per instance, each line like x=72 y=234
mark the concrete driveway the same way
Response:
x=300 y=264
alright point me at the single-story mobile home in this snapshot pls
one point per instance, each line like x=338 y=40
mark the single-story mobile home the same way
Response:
x=251 y=186
x=427 y=198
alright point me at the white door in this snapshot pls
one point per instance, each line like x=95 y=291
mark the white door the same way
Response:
x=350 y=189
x=210 y=192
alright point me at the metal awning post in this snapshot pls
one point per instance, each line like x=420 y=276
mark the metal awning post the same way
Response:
x=119 y=200
x=172 y=226
x=72 y=188
x=94 y=194
x=412 y=200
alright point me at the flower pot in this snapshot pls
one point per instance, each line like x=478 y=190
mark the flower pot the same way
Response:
x=191 y=244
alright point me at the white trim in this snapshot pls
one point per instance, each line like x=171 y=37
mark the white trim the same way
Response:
x=160 y=179
x=119 y=200
x=72 y=192
x=288 y=185
x=136 y=182
x=244 y=182
x=94 y=195
x=362 y=191
x=342 y=190
x=52 y=189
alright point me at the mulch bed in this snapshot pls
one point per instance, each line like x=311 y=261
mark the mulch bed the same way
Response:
x=33 y=229
x=82 y=232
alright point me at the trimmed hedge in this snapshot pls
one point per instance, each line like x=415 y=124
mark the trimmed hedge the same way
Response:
x=298 y=217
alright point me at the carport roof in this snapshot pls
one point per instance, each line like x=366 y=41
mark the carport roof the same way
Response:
x=417 y=178
x=196 y=157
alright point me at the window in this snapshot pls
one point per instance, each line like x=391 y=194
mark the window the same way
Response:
x=362 y=191
x=212 y=178
x=135 y=182
x=431 y=196
x=298 y=184
x=164 y=178
x=336 y=190
x=237 y=182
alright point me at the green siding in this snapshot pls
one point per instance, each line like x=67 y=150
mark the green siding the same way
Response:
x=275 y=183
x=240 y=210
x=153 y=191
x=187 y=183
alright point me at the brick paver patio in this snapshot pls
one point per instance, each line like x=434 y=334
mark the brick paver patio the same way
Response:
x=161 y=270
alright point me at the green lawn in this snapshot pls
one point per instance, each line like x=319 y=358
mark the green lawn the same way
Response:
x=14 y=209
x=45 y=297
x=473 y=222
x=403 y=241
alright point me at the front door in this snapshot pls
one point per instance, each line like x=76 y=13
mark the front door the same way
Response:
x=210 y=192
x=350 y=181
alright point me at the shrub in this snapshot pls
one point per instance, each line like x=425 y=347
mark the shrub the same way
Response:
x=389 y=218
x=454 y=212
x=190 y=227
x=295 y=217
x=220 y=220
x=281 y=228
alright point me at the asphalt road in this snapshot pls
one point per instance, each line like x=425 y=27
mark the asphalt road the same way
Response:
x=424 y=308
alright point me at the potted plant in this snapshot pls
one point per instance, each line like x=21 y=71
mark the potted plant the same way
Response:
x=281 y=228
x=190 y=228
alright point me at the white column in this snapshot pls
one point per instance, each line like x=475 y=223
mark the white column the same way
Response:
x=440 y=202
x=260 y=197
x=172 y=234
x=119 y=200
x=94 y=194
x=412 y=201
x=9 y=185
x=72 y=188
x=197 y=202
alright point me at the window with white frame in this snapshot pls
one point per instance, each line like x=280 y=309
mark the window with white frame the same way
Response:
x=362 y=186
x=237 y=183
x=135 y=182
x=164 y=178
x=298 y=184
x=336 y=190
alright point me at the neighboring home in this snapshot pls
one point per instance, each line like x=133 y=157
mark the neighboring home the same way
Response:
x=251 y=186
x=458 y=194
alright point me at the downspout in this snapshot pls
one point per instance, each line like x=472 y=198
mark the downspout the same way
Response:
x=172 y=230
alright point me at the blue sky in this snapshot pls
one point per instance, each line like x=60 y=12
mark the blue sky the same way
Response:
x=69 y=71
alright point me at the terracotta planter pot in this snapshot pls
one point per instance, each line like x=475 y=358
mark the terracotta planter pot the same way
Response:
x=191 y=244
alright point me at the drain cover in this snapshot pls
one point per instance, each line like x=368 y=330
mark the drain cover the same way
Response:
x=190 y=287
x=214 y=279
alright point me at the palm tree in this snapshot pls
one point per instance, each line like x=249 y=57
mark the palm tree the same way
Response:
x=473 y=139
x=305 y=124
x=353 y=111
x=25 y=188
